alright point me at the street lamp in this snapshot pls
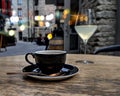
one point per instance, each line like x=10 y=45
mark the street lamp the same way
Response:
x=11 y=32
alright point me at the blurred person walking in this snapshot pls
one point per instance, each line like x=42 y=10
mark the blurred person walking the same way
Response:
x=46 y=41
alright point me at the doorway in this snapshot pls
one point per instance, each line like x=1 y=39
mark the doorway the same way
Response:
x=71 y=39
x=20 y=35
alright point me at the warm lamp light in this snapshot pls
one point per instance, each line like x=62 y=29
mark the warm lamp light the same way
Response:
x=41 y=23
x=37 y=18
x=49 y=36
x=22 y=27
x=66 y=11
x=11 y=32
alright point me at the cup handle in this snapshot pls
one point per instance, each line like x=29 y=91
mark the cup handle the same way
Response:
x=26 y=58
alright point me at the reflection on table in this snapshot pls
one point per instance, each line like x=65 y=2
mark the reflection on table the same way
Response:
x=99 y=79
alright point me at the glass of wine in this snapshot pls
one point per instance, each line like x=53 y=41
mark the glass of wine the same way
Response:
x=85 y=27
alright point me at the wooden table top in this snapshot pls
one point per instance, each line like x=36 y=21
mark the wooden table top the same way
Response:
x=99 y=79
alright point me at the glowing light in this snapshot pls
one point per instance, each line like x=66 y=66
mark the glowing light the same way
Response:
x=41 y=23
x=81 y=18
x=49 y=36
x=42 y=18
x=22 y=27
x=57 y=13
x=73 y=19
x=66 y=11
x=14 y=19
x=47 y=24
x=11 y=32
x=49 y=17
x=85 y=18
x=37 y=18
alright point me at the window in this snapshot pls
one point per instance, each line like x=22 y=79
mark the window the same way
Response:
x=36 y=12
x=50 y=1
x=36 y=2
x=60 y=2
x=19 y=2
x=19 y=12
x=73 y=42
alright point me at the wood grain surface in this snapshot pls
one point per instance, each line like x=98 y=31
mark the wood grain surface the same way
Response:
x=99 y=79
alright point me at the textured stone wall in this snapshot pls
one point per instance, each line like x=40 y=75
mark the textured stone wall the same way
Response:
x=106 y=20
x=45 y=10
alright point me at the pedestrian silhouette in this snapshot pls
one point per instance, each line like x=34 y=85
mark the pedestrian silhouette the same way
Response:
x=39 y=40
x=54 y=32
x=58 y=32
x=46 y=41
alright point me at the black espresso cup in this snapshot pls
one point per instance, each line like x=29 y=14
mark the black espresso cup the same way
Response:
x=48 y=61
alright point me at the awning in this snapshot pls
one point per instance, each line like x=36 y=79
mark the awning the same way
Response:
x=3 y=33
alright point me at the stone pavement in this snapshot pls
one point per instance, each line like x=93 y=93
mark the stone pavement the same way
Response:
x=21 y=48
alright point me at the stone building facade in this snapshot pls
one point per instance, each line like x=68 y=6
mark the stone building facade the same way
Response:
x=23 y=17
x=27 y=8
x=45 y=10
x=106 y=19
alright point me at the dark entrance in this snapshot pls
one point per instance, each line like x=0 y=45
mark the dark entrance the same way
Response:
x=20 y=35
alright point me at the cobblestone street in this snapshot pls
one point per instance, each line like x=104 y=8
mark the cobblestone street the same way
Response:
x=21 y=48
